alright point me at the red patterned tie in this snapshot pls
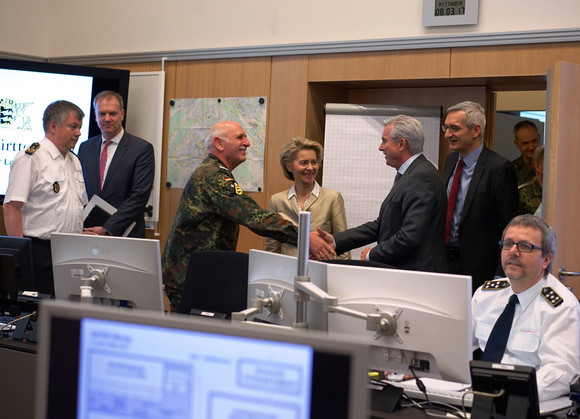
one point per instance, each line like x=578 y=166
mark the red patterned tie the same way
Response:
x=103 y=163
x=452 y=199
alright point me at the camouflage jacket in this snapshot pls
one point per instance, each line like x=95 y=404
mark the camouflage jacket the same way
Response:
x=524 y=171
x=210 y=211
x=530 y=197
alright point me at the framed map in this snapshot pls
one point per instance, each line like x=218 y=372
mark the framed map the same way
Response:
x=189 y=124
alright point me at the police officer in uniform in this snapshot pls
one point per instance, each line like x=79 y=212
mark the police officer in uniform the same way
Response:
x=545 y=328
x=46 y=190
x=213 y=206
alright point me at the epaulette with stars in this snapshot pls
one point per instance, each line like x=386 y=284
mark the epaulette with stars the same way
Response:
x=552 y=296
x=33 y=147
x=498 y=284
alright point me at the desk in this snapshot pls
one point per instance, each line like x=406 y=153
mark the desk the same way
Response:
x=415 y=413
x=17 y=378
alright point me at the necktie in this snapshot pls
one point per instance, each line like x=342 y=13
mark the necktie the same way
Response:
x=452 y=198
x=398 y=176
x=499 y=334
x=103 y=163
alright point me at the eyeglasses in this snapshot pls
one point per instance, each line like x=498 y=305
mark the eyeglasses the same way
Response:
x=454 y=128
x=522 y=246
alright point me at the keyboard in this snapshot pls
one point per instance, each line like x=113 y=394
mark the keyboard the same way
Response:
x=438 y=391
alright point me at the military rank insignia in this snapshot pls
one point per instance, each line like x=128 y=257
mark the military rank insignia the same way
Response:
x=495 y=285
x=235 y=185
x=552 y=297
x=56 y=187
x=33 y=147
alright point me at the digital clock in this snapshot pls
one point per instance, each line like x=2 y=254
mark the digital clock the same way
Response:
x=450 y=12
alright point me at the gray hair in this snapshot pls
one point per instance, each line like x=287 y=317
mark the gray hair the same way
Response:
x=408 y=128
x=474 y=111
x=58 y=112
x=549 y=240
x=218 y=130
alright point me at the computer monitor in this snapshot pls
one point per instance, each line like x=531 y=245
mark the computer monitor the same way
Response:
x=94 y=361
x=503 y=391
x=273 y=275
x=121 y=271
x=16 y=267
x=429 y=316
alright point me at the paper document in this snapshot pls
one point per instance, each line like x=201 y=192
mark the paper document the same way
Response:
x=98 y=211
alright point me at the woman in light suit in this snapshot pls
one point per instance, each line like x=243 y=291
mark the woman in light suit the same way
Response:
x=300 y=160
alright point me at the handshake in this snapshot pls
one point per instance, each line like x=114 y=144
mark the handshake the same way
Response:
x=323 y=247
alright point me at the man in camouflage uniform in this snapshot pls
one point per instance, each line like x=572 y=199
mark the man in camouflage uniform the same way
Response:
x=530 y=193
x=526 y=139
x=213 y=206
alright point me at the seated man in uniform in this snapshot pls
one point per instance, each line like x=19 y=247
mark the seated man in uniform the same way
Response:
x=545 y=315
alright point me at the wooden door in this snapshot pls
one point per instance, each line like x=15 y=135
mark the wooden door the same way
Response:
x=562 y=172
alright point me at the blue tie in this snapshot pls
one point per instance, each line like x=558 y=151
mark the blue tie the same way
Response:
x=498 y=337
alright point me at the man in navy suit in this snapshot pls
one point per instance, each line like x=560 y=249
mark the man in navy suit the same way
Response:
x=487 y=196
x=409 y=230
x=118 y=167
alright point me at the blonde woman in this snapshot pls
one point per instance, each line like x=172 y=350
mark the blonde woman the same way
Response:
x=300 y=160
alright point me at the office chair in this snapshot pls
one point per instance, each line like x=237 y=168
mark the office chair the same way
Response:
x=216 y=282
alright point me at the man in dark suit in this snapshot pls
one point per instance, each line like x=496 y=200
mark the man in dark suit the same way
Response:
x=486 y=196
x=118 y=167
x=409 y=230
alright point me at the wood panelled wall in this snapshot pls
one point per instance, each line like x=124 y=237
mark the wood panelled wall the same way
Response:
x=297 y=87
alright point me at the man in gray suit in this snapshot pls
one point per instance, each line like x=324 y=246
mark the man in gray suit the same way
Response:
x=410 y=228
x=118 y=167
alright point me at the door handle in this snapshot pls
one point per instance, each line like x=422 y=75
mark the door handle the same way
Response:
x=563 y=272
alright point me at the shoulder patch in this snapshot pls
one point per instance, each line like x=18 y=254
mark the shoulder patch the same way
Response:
x=495 y=285
x=552 y=296
x=33 y=147
x=237 y=188
x=234 y=185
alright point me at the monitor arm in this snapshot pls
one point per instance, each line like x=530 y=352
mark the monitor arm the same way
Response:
x=96 y=280
x=383 y=324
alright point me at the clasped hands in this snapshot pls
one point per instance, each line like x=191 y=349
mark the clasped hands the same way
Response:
x=321 y=245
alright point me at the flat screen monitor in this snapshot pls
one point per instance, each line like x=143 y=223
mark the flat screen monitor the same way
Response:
x=273 y=274
x=98 y=362
x=432 y=313
x=16 y=267
x=28 y=87
x=127 y=270
x=503 y=391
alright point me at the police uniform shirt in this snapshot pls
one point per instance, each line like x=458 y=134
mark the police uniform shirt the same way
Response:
x=52 y=189
x=545 y=333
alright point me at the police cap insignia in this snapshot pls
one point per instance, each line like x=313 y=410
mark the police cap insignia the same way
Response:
x=495 y=285
x=552 y=296
x=33 y=147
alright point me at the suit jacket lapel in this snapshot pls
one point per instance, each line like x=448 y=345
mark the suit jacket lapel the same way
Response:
x=117 y=157
x=311 y=200
x=93 y=169
x=451 y=162
x=399 y=184
x=475 y=179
